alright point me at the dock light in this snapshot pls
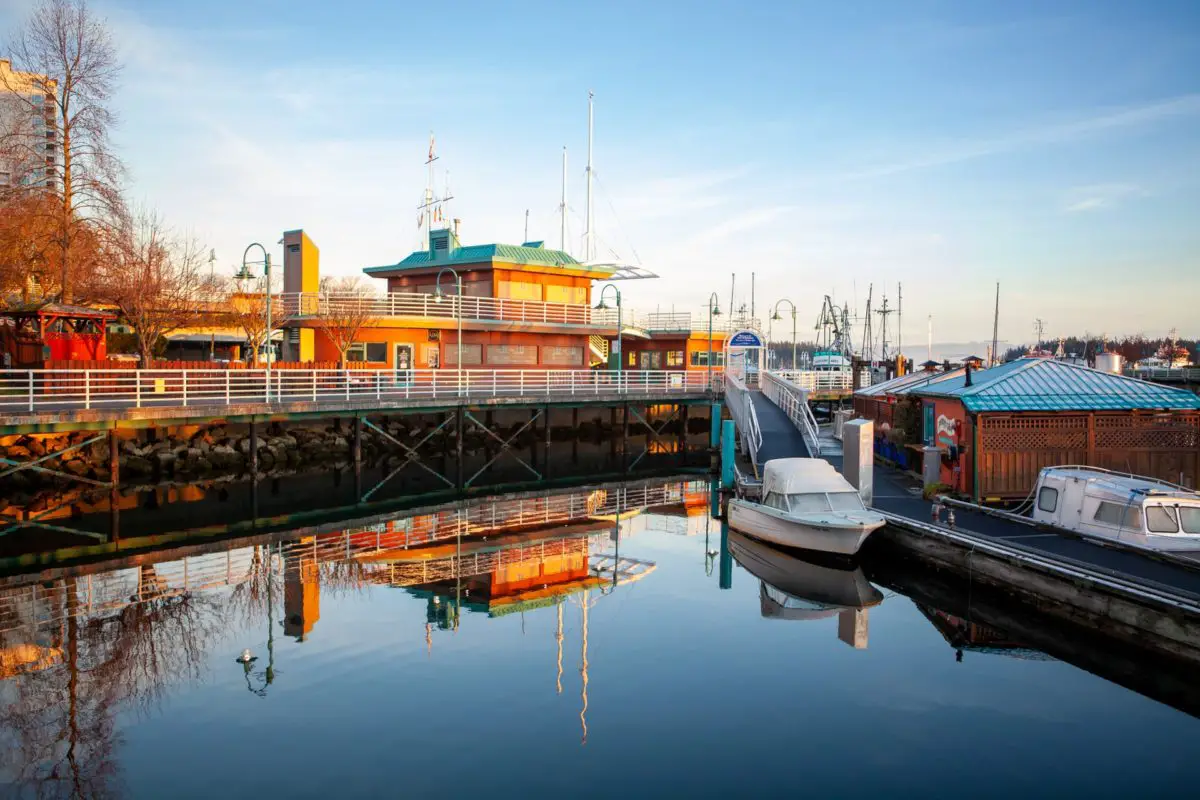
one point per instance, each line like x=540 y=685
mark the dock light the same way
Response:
x=246 y=657
x=458 y=312
x=603 y=306
x=714 y=310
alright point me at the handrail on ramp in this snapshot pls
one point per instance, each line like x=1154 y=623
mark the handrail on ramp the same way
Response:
x=794 y=402
x=745 y=418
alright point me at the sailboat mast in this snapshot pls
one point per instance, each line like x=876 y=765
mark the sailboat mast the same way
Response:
x=996 y=327
x=900 y=321
x=929 y=339
x=562 y=206
x=589 y=236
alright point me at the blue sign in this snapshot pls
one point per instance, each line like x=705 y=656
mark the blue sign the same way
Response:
x=745 y=339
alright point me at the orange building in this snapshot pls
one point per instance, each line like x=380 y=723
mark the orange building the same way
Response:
x=522 y=307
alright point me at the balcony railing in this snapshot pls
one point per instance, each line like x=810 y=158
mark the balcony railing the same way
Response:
x=403 y=304
x=834 y=380
x=497 y=309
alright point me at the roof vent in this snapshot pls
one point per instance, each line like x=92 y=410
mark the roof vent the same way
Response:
x=968 y=377
x=439 y=244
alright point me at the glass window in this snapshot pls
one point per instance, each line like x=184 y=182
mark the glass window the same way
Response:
x=1161 y=519
x=632 y=358
x=1189 y=518
x=775 y=500
x=700 y=358
x=808 y=503
x=357 y=352
x=846 y=501
x=1119 y=515
x=501 y=355
x=377 y=351
x=1048 y=499
x=675 y=358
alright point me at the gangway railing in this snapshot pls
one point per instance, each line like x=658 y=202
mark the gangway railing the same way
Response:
x=794 y=402
x=741 y=408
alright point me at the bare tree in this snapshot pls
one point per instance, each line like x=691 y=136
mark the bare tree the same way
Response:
x=344 y=308
x=154 y=277
x=247 y=308
x=70 y=63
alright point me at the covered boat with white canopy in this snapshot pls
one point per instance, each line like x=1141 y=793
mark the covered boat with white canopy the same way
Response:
x=806 y=504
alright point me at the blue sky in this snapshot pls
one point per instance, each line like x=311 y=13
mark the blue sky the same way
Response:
x=1053 y=146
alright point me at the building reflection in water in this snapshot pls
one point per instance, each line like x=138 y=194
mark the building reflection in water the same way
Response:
x=75 y=651
x=797 y=588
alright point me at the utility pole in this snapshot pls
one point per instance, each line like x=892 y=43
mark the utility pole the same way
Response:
x=929 y=339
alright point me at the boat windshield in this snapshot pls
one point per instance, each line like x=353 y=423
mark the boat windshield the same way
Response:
x=846 y=501
x=1189 y=518
x=1161 y=519
x=816 y=502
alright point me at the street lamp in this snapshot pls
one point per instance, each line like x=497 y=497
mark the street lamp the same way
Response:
x=713 y=311
x=245 y=273
x=776 y=316
x=602 y=306
x=437 y=295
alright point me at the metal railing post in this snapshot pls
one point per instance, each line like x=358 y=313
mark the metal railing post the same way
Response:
x=185 y=387
x=30 y=374
x=87 y=388
x=137 y=388
x=228 y=378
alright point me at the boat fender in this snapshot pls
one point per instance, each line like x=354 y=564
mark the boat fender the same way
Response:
x=950 y=519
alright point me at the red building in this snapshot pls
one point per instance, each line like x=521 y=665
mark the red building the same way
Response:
x=32 y=335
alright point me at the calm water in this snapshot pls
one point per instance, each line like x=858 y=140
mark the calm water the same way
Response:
x=366 y=682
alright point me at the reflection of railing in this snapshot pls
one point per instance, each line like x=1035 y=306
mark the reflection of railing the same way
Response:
x=794 y=402
x=60 y=389
x=38 y=605
x=832 y=380
x=404 y=304
x=741 y=408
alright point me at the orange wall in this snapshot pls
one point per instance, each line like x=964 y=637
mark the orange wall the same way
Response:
x=419 y=337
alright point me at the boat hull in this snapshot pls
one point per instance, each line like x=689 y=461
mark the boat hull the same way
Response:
x=830 y=534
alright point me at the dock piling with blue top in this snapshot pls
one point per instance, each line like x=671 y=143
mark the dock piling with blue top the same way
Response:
x=728 y=440
x=714 y=436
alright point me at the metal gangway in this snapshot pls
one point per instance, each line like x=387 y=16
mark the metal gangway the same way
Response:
x=793 y=400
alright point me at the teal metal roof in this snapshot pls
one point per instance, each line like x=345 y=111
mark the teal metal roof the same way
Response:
x=479 y=253
x=1043 y=384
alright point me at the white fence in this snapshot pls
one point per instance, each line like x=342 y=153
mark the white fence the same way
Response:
x=411 y=304
x=61 y=389
x=794 y=402
x=745 y=418
x=818 y=380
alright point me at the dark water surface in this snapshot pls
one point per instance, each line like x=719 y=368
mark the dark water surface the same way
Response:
x=367 y=682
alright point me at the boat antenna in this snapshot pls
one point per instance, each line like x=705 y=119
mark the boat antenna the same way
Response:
x=732 y=287
x=929 y=339
x=868 y=348
x=526 y=239
x=562 y=206
x=996 y=328
x=590 y=235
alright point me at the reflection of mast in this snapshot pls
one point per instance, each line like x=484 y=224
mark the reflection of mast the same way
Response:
x=583 y=670
x=558 y=637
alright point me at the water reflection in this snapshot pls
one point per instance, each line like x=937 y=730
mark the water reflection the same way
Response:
x=797 y=588
x=89 y=652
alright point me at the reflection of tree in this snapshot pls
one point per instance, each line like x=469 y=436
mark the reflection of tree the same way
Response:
x=57 y=724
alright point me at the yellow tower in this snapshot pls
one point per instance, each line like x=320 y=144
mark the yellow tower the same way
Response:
x=301 y=273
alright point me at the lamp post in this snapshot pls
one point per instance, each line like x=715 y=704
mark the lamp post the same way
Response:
x=267 y=279
x=775 y=316
x=620 y=353
x=437 y=295
x=714 y=310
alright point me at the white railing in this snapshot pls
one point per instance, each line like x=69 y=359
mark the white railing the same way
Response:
x=1174 y=375
x=410 y=304
x=816 y=380
x=745 y=418
x=66 y=389
x=403 y=304
x=794 y=402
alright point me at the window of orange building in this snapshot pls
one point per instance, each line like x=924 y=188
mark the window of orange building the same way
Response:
x=501 y=355
x=562 y=356
x=519 y=290
x=472 y=354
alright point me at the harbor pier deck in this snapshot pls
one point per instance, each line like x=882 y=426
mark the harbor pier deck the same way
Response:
x=1150 y=600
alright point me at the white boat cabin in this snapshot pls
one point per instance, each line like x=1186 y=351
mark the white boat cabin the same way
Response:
x=1126 y=508
x=807 y=486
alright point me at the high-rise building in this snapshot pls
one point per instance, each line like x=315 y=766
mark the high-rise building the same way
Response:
x=28 y=129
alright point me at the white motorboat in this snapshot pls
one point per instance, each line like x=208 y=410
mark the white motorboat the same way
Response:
x=808 y=505
x=1130 y=509
x=798 y=589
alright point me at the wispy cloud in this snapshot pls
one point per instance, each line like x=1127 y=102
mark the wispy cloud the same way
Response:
x=1100 y=196
x=1056 y=133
